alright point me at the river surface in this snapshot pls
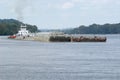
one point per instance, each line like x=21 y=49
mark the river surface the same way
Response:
x=30 y=60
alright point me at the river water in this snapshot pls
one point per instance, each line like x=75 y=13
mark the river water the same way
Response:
x=30 y=60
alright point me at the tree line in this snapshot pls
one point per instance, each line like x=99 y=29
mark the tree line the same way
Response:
x=11 y=26
x=95 y=29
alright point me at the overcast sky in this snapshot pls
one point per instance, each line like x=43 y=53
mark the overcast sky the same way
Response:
x=58 y=14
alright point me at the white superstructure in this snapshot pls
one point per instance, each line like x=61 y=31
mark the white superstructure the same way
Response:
x=23 y=31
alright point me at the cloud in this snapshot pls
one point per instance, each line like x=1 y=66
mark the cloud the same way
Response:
x=94 y=2
x=68 y=5
x=72 y=3
x=76 y=1
x=63 y=5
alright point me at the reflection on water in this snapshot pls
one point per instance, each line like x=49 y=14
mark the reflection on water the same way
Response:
x=29 y=60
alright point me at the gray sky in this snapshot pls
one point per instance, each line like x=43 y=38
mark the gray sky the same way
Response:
x=58 y=14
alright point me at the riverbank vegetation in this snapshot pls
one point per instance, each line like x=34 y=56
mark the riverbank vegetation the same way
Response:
x=95 y=29
x=11 y=26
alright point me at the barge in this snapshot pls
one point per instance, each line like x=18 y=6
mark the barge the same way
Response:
x=23 y=34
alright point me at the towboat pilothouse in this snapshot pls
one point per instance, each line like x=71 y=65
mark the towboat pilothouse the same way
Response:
x=22 y=32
